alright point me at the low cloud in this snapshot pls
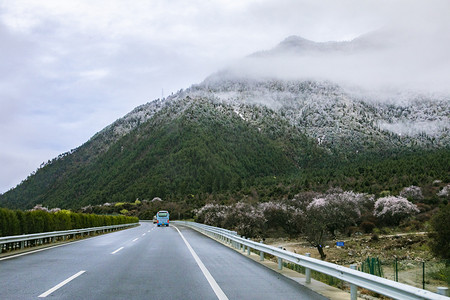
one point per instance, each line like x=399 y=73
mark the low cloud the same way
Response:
x=386 y=60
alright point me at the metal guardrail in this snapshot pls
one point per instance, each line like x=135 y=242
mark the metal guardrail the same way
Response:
x=24 y=240
x=356 y=278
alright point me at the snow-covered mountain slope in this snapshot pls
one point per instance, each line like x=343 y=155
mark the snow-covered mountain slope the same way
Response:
x=338 y=116
x=338 y=120
x=333 y=116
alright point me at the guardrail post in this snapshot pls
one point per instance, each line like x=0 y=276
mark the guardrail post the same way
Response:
x=353 y=288
x=1 y=248
x=243 y=246
x=308 y=271
x=280 y=261
x=261 y=254
x=440 y=290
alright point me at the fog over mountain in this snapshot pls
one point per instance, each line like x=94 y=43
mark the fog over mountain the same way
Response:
x=383 y=65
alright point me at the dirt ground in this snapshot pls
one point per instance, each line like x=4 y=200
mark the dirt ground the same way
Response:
x=410 y=250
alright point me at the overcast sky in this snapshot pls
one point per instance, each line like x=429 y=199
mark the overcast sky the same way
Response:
x=70 y=68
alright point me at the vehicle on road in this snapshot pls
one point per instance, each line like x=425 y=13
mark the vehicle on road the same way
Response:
x=155 y=220
x=162 y=218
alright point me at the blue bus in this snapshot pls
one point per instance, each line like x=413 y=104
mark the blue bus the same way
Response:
x=162 y=218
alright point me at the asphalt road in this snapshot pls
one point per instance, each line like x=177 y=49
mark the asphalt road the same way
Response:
x=144 y=262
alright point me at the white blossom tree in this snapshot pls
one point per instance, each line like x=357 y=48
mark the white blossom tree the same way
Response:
x=212 y=214
x=242 y=217
x=331 y=212
x=278 y=214
x=445 y=192
x=245 y=219
x=412 y=193
x=392 y=210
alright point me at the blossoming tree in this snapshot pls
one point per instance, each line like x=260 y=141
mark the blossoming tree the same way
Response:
x=392 y=210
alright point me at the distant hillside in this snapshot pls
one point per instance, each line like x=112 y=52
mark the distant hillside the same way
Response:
x=188 y=147
x=260 y=138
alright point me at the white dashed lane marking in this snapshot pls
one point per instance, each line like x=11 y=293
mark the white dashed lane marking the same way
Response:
x=60 y=285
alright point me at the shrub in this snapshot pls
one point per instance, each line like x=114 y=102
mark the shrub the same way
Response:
x=367 y=227
x=40 y=220
x=423 y=207
x=442 y=273
x=385 y=193
x=439 y=237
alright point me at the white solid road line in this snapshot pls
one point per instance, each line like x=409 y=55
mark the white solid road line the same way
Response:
x=216 y=288
x=114 y=252
x=43 y=295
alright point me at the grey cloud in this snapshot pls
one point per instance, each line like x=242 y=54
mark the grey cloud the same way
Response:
x=396 y=59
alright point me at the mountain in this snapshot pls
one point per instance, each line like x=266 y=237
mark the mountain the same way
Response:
x=297 y=45
x=233 y=136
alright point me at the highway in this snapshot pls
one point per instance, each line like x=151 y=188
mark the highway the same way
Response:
x=145 y=262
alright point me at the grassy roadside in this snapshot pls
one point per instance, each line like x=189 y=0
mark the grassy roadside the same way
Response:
x=411 y=251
